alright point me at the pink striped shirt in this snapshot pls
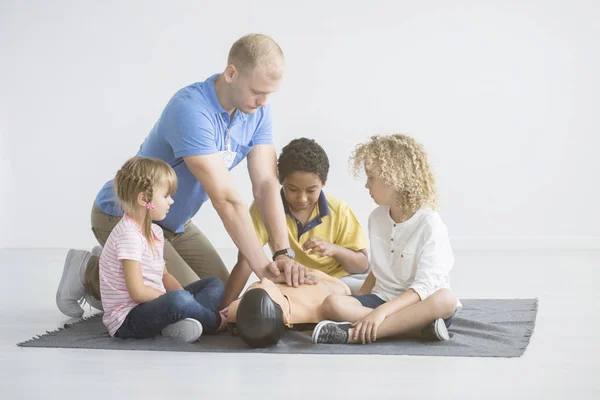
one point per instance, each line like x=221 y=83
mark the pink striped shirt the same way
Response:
x=126 y=242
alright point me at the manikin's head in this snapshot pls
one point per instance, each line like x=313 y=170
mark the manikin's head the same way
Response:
x=262 y=315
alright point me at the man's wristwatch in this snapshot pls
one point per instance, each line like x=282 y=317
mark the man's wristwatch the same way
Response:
x=285 y=252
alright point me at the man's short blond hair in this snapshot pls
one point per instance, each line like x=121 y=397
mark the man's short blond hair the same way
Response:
x=257 y=50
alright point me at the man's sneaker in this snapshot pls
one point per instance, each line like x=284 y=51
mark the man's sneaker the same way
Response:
x=436 y=331
x=97 y=251
x=91 y=300
x=331 y=332
x=70 y=289
x=188 y=330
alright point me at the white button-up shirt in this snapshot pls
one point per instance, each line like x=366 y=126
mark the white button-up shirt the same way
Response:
x=413 y=254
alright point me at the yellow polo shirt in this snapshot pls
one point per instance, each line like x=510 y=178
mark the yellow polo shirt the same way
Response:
x=331 y=220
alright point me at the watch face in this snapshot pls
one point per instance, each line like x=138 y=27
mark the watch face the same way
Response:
x=291 y=253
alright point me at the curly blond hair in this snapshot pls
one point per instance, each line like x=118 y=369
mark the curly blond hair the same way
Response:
x=403 y=164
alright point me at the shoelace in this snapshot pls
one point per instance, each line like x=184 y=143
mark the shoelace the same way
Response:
x=83 y=301
x=86 y=299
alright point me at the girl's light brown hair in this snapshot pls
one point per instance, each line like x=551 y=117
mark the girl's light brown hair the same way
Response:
x=142 y=175
x=403 y=164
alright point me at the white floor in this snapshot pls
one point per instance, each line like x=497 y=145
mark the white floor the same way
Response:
x=562 y=360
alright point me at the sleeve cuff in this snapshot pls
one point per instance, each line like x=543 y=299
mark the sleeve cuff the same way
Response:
x=132 y=257
x=263 y=141
x=195 y=152
x=422 y=290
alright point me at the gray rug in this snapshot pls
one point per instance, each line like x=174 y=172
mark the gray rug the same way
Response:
x=483 y=328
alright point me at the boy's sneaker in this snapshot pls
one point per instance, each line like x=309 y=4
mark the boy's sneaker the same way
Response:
x=188 y=330
x=436 y=331
x=70 y=289
x=331 y=332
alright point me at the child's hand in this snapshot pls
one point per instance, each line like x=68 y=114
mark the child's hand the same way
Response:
x=319 y=246
x=366 y=329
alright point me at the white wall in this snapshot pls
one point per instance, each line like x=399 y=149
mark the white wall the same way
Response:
x=501 y=93
x=8 y=191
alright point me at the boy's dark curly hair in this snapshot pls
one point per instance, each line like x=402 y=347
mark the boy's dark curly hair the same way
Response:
x=303 y=155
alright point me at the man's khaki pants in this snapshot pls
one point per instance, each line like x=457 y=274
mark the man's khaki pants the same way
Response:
x=189 y=256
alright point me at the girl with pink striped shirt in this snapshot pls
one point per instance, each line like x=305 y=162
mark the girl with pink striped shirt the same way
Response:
x=140 y=297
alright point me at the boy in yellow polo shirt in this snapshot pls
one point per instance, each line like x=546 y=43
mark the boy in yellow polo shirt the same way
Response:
x=323 y=231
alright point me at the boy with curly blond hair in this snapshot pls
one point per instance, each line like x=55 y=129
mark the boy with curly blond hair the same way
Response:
x=408 y=289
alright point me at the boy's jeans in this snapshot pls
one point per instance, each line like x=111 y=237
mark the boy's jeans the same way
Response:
x=198 y=301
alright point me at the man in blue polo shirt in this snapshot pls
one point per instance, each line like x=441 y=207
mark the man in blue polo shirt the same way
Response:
x=205 y=130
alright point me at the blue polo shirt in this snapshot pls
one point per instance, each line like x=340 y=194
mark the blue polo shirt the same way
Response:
x=191 y=125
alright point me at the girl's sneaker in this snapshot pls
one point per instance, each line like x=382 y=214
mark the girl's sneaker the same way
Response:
x=188 y=330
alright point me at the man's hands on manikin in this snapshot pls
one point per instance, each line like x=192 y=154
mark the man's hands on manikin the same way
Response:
x=285 y=270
